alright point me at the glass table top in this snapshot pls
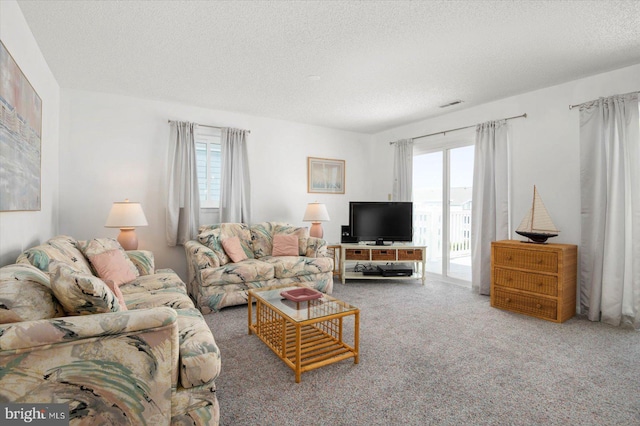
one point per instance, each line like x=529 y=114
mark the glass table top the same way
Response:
x=301 y=311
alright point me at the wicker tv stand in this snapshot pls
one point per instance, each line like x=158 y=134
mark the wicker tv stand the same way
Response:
x=382 y=255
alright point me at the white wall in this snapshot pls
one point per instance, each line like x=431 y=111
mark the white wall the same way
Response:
x=545 y=145
x=114 y=147
x=21 y=230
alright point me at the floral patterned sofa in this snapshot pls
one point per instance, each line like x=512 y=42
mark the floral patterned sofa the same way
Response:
x=216 y=282
x=135 y=353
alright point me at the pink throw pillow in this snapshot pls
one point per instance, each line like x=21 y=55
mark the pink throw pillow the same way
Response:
x=118 y=293
x=7 y=316
x=285 y=245
x=112 y=265
x=233 y=248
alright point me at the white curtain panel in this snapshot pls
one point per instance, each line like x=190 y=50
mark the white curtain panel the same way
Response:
x=490 y=199
x=403 y=170
x=610 y=212
x=183 y=198
x=235 y=188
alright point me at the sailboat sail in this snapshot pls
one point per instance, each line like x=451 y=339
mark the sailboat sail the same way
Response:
x=525 y=225
x=537 y=224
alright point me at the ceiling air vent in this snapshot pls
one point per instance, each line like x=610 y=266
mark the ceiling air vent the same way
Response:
x=451 y=104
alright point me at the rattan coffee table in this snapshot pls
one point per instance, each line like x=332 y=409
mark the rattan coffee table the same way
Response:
x=305 y=335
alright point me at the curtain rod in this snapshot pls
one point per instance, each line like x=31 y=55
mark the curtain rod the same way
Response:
x=206 y=125
x=461 y=128
x=577 y=105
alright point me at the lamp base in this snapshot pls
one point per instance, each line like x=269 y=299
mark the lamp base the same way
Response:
x=316 y=230
x=128 y=238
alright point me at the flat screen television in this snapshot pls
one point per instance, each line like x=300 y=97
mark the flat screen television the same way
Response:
x=381 y=221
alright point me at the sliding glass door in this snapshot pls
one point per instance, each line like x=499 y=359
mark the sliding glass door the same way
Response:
x=460 y=192
x=427 y=207
x=444 y=173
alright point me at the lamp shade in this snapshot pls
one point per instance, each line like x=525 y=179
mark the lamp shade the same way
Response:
x=316 y=212
x=125 y=214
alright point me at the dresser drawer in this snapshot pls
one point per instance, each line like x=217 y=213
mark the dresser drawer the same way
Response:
x=409 y=254
x=526 y=304
x=536 y=283
x=532 y=260
x=356 y=254
x=383 y=254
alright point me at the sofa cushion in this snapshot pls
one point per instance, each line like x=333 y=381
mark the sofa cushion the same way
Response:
x=164 y=288
x=235 y=273
x=81 y=294
x=262 y=238
x=199 y=354
x=301 y=233
x=170 y=297
x=25 y=294
x=316 y=247
x=293 y=266
x=212 y=236
x=143 y=260
x=95 y=250
x=61 y=249
x=163 y=279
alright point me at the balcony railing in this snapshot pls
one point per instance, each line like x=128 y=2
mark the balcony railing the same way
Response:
x=428 y=231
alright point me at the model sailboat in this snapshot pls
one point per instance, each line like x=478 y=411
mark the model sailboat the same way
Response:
x=537 y=224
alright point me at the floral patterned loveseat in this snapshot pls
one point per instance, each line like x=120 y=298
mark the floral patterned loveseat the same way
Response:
x=137 y=354
x=216 y=282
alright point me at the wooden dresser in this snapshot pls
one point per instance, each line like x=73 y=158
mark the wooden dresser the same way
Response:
x=534 y=279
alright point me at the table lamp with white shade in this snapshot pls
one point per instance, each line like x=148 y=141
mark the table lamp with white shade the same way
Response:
x=126 y=215
x=316 y=213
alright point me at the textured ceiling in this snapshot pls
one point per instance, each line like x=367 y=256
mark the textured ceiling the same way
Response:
x=381 y=63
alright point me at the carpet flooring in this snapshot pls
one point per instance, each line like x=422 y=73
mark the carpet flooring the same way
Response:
x=436 y=355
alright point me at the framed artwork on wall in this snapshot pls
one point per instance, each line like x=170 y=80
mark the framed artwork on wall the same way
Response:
x=325 y=175
x=20 y=138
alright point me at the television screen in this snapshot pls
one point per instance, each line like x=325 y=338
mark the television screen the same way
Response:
x=381 y=221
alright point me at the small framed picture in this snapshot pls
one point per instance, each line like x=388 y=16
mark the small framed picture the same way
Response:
x=325 y=175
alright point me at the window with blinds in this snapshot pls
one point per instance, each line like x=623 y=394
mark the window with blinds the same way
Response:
x=208 y=160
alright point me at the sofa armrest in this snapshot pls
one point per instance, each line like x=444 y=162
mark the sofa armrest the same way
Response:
x=39 y=334
x=317 y=247
x=144 y=261
x=200 y=255
x=109 y=368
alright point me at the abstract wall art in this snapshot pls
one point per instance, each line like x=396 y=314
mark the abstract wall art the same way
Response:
x=20 y=138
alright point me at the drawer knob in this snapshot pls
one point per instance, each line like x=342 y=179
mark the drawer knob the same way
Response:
x=358 y=252
x=540 y=284
x=409 y=251
x=538 y=306
x=539 y=261
x=509 y=257
x=508 y=299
